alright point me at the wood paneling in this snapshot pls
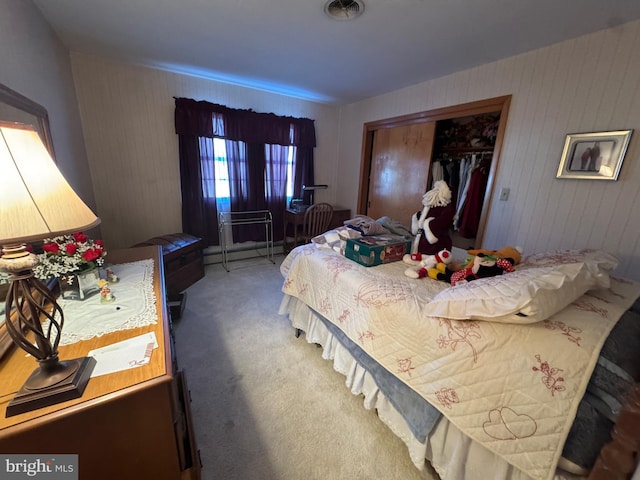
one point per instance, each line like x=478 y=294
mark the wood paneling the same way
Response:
x=400 y=162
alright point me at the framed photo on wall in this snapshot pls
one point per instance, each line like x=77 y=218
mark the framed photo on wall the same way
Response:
x=594 y=156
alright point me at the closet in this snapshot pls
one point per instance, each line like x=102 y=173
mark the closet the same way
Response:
x=462 y=157
x=463 y=149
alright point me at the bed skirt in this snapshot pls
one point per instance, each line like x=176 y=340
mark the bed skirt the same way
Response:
x=452 y=454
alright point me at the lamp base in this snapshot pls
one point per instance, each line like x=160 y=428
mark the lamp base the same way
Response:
x=71 y=386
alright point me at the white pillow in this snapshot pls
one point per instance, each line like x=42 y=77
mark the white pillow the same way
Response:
x=599 y=259
x=539 y=288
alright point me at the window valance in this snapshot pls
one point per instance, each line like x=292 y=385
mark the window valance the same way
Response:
x=206 y=119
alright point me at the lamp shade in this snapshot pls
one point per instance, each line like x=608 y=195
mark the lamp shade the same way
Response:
x=35 y=199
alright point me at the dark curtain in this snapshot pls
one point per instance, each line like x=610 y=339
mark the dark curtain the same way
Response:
x=276 y=191
x=304 y=173
x=198 y=207
x=254 y=144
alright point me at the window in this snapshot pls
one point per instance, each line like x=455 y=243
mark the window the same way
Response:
x=215 y=173
x=260 y=160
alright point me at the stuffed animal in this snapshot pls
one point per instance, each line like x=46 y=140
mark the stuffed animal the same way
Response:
x=515 y=253
x=422 y=263
x=431 y=226
x=482 y=266
x=442 y=272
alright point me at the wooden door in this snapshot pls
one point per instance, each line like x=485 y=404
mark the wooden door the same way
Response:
x=400 y=162
x=368 y=169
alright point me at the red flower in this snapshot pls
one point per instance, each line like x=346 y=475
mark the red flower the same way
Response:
x=71 y=248
x=99 y=243
x=80 y=237
x=91 y=254
x=51 y=247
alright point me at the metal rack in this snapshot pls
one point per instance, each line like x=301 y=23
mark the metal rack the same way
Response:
x=254 y=217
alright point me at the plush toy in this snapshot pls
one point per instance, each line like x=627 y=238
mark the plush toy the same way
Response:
x=442 y=272
x=431 y=226
x=422 y=263
x=514 y=253
x=482 y=266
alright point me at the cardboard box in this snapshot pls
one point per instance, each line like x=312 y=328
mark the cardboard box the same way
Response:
x=377 y=249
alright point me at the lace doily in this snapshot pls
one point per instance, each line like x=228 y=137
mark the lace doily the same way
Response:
x=134 y=305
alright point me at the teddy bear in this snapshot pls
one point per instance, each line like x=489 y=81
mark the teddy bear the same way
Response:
x=482 y=266
x=431 y=225
x=421 y=264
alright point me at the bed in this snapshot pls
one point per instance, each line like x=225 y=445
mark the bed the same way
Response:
x=515 y=377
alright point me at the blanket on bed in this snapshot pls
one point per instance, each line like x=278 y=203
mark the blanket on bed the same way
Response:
x=420 y=415
x=513 y=388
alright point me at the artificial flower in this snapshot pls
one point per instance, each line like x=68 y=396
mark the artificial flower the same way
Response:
x=69 y=255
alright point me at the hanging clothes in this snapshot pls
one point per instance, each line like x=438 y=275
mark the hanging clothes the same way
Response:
x=466 y=168
x=475 y=198
x=437 y=172
x=453 y=170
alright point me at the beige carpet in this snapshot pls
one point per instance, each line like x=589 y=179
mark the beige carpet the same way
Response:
x=266 y=406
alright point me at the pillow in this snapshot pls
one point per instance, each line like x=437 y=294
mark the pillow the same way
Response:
x=598 y=259
x=540 y=287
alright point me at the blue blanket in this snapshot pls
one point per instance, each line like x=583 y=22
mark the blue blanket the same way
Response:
x=417 y=412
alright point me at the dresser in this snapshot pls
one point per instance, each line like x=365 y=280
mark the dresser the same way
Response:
x=133 y=424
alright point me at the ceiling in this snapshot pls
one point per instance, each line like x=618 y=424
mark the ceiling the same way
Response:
x=292 y=47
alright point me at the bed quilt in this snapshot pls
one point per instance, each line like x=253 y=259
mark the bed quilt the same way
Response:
x=513 y=388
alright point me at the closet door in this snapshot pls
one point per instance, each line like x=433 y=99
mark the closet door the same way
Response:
x=401 y=196
x=400 y=162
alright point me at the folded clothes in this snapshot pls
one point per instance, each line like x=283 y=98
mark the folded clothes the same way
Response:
x=365 y=225
x=394 y=226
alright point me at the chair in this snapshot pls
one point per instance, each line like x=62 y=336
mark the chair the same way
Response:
x=317 y=219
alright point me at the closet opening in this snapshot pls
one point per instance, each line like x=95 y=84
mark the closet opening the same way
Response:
x=403 y=156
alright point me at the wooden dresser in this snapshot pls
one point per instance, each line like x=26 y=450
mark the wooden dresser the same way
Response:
x=134 y=424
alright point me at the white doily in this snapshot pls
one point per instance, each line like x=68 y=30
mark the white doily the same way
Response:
x=134 y=305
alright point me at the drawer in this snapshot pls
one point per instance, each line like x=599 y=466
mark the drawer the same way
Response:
x=185 y=436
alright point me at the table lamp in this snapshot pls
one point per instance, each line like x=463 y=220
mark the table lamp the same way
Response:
x=36 y=202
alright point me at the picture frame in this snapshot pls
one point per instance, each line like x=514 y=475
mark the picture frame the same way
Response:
x=84 y=285
x=594 y=156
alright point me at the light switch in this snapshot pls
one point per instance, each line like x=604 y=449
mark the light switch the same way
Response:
x=504 y=194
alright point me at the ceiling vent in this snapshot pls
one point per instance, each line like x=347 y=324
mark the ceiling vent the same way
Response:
x=344 y=9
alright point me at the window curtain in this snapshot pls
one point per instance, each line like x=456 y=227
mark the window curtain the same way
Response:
x=256 y=159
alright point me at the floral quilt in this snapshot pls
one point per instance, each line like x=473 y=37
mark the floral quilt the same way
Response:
x=513 y=388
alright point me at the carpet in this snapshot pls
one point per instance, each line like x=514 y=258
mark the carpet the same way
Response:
x=265 y=404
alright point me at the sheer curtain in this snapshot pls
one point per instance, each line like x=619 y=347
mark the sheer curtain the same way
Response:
x=257 y=145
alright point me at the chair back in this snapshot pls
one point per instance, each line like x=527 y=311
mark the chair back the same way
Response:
x=317 y=219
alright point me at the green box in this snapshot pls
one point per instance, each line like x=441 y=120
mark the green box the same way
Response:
x=377 y=249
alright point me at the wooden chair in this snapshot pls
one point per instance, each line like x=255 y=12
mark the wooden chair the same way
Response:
x=316 y=221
